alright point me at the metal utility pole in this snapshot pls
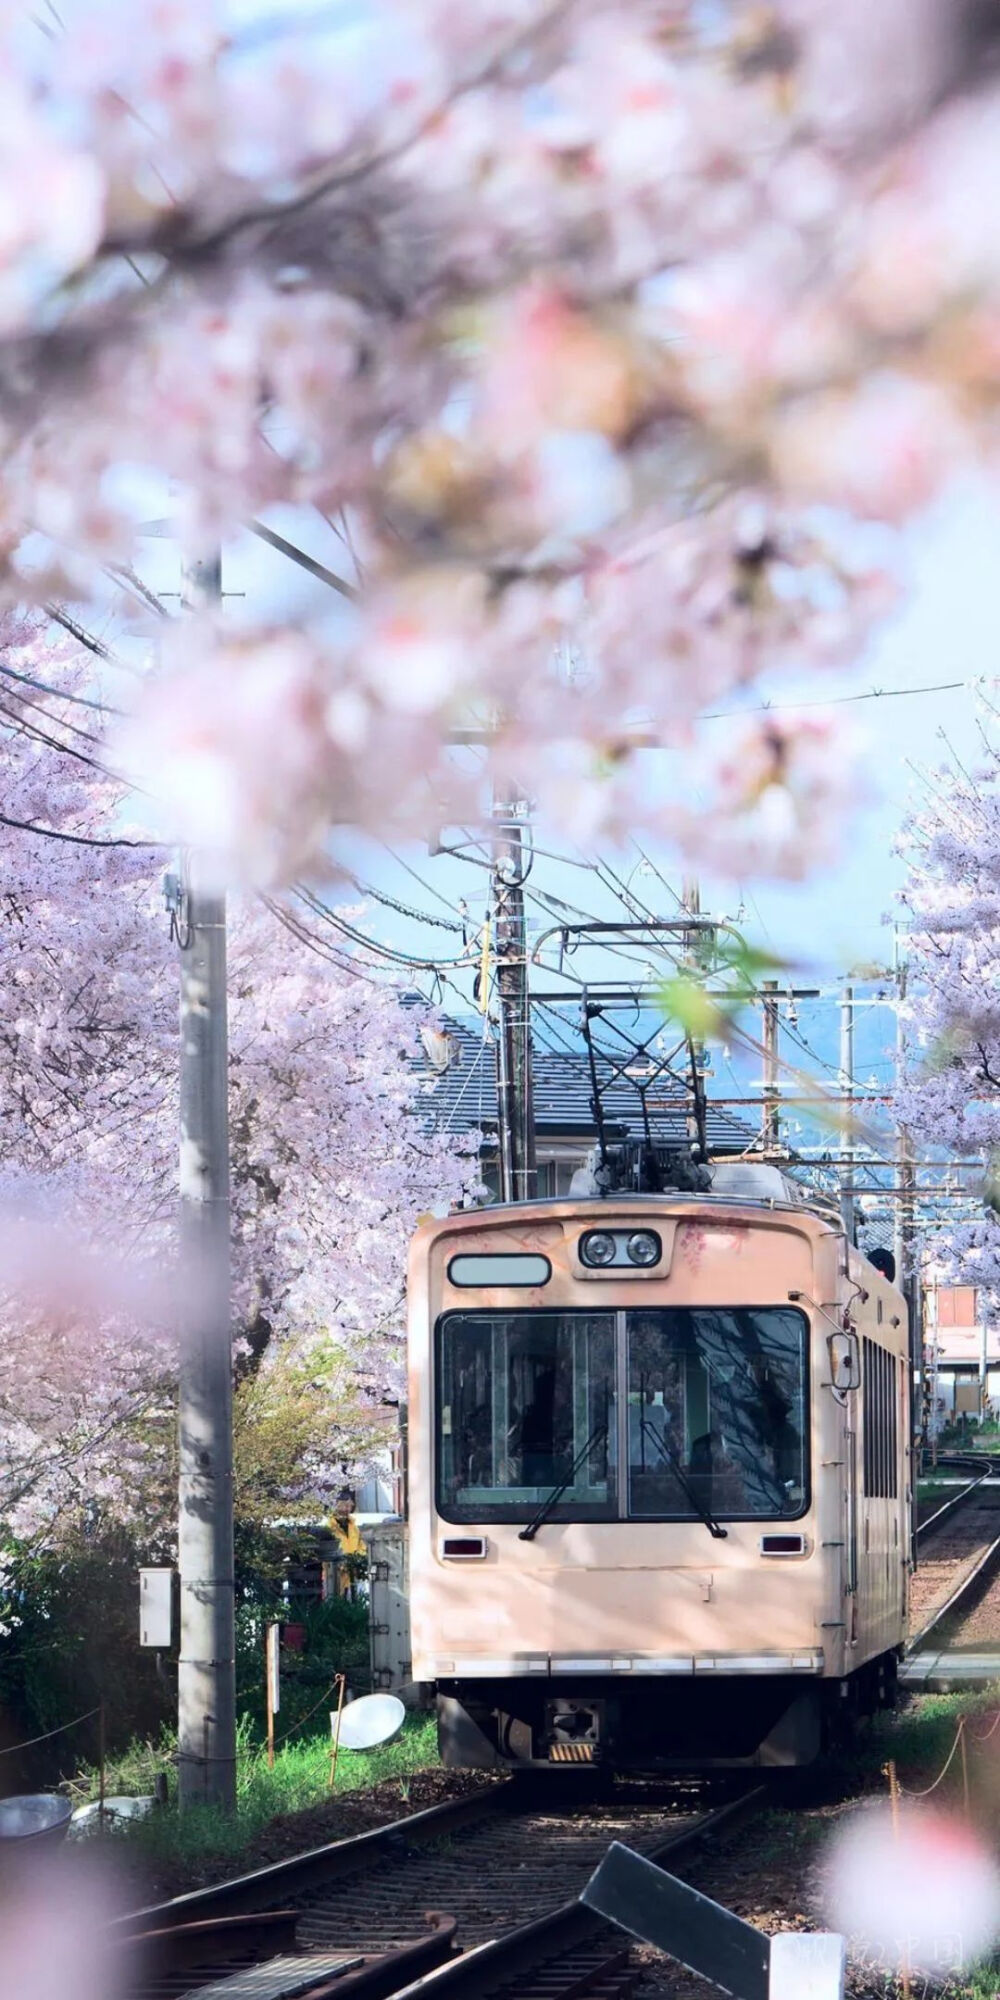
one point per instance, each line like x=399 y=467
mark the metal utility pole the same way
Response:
x=847 y=1098
x=769 y=1126
x=518 y=1166
x=206 y=1680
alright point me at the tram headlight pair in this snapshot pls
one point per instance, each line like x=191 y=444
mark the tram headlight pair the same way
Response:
x=600 y=1247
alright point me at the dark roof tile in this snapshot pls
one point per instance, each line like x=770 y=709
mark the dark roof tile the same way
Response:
x=464 y=1096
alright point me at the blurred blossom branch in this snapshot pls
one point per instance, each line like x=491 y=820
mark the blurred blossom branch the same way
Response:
x=625 y=343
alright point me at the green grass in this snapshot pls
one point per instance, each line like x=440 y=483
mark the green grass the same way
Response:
x=300 y=1779
x=918 y=1737
x=979 y=1437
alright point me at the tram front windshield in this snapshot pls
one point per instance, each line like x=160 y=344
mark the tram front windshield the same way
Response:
x=656 y=1415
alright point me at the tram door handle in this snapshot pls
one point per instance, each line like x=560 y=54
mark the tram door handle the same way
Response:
x=851 y=1476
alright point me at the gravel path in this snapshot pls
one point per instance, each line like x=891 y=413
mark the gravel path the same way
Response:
x=978 y=1630
x=949 y=1555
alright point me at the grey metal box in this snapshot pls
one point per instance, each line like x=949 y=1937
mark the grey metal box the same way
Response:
x=156 y=1604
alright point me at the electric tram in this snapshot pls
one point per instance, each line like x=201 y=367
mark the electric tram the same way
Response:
x=659 y=1477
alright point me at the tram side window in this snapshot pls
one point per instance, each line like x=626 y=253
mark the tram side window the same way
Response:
x=880 y=1387
x=525 y=1401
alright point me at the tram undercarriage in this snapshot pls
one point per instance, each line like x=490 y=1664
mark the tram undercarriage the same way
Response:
x=638 y=1723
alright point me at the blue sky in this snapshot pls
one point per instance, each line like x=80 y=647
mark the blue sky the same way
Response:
x=947 y=630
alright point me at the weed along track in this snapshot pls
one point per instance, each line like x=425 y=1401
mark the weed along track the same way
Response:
x=484 y=1888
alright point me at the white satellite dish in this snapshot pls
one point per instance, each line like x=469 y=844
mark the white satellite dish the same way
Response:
x=375 y=1719
x=34 y=1816
x=88 y=1819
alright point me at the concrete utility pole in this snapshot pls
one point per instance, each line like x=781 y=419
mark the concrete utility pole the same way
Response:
x=518 y=1166
x=847 y=1099
x=769 y=1127
x=908 y=1278
x=206 y=1681
x=984 y=1355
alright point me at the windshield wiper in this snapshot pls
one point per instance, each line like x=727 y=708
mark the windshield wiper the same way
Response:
x=528 y=1533
x=714 y=1527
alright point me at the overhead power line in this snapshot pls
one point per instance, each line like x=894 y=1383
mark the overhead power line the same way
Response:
x=403 y=909
x=60 y=694
x=77 y=839
x=841 y=700
x=304 y=561
x=366 y=943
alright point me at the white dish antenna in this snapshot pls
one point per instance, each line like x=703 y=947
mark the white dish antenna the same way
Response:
x=34 y=1816
x=375 y=1719
x=87 y=1819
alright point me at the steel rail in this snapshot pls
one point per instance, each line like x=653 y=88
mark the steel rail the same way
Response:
x=264 y=1888
x=217 y=1961
x=949 y=1506
x=962 y=1589
x=516 y=1954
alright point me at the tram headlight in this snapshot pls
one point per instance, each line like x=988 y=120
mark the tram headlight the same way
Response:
x=643 y=1247
x=598 y=1247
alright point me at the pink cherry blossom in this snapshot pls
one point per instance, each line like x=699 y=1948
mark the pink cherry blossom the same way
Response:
x=529 y=308
x=949 y=1095
x=334 y=1146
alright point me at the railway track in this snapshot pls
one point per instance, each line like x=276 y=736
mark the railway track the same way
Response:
x=475 y=1897
x=480 y=1896
x=960 y=1549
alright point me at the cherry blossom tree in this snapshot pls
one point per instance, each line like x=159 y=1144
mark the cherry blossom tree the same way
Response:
x=599 y=341
x=334 y=1151
x=950 y=1093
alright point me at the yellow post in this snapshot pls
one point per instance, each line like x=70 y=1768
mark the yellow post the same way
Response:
x=904 y=1969
x=341 y=1682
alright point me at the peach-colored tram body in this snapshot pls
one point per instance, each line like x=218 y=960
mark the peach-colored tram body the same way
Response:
x=660 y=1478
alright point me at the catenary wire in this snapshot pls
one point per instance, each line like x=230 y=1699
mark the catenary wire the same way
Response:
x=19 y=723
x=403 y=909
x=320 y=946
x=60 y=694
x=28 y=702
x=841 y=700
x=427 y=886
x=77 y=839
x=388 y=952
